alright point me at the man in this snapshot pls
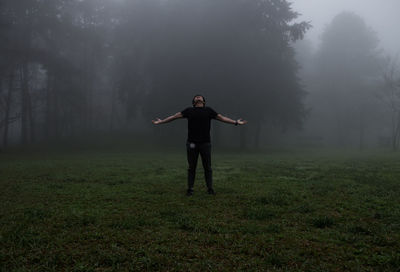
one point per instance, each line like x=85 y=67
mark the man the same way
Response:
x=198 y=142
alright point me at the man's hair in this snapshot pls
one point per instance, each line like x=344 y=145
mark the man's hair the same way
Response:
x=195 y=97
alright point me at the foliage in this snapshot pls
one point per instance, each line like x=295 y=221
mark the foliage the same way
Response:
x=102 y=63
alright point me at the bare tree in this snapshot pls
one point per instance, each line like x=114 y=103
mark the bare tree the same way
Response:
x=390 y=96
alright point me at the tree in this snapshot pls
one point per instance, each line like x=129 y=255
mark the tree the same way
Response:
x=60 y=44
x=347 y=60
x=71 y=59
x=236 y=50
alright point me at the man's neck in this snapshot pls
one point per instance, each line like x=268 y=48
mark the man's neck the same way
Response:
x=199 y=105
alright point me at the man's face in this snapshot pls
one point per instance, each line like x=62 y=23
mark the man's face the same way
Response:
x=198 y=99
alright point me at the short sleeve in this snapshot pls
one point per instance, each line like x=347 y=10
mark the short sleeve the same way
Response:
x=213 y=113
x=185 y=112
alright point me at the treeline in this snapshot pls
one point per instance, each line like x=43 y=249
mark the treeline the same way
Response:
x=73 y=68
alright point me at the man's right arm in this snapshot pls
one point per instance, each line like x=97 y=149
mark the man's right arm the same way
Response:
x=158 y=121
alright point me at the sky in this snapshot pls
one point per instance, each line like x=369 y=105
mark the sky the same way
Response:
x=383 y=16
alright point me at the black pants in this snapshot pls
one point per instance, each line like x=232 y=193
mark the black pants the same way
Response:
x=193 y=150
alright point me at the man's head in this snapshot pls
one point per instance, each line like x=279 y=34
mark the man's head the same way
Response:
x=198 y=100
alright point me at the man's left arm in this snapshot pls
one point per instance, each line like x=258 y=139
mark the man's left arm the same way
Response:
x=228 y=120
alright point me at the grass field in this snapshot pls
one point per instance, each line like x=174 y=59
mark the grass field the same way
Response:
x=104 y=211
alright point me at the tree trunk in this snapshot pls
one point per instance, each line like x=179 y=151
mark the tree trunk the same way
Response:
x=397 y=133
x=395 y=130
x=8 y=107
x=31 y=120
x=113 y=108
x=48 y=104
x=361 y=130
x=87 y=87
x=52 y=107
x=216 y=134
x=243 y=137
x=257 y=135
x=55 y=114
x=339 y=131
x=24 y=102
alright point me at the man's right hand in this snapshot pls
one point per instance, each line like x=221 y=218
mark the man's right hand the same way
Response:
x=168 y=119
x=157 y=121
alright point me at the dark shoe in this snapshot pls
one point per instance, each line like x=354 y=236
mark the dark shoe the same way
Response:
x=211 y=192
x=189 y=192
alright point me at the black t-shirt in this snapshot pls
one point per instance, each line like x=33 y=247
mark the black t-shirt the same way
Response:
x=199 y=121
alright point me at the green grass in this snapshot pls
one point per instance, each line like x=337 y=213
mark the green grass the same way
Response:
x=300 y=211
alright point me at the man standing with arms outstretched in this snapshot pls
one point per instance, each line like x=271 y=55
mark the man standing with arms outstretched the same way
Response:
x=198 y=142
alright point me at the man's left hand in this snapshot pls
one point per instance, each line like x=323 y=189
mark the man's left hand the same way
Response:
x=241 y=121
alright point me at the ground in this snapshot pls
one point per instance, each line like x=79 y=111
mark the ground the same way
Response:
x=274 y=211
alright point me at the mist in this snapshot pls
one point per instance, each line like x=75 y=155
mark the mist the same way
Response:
x=87 y=71
x=338 y=96
x=199 y=135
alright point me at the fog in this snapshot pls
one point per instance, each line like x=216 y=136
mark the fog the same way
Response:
x=382 y=16
x=304 y=73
